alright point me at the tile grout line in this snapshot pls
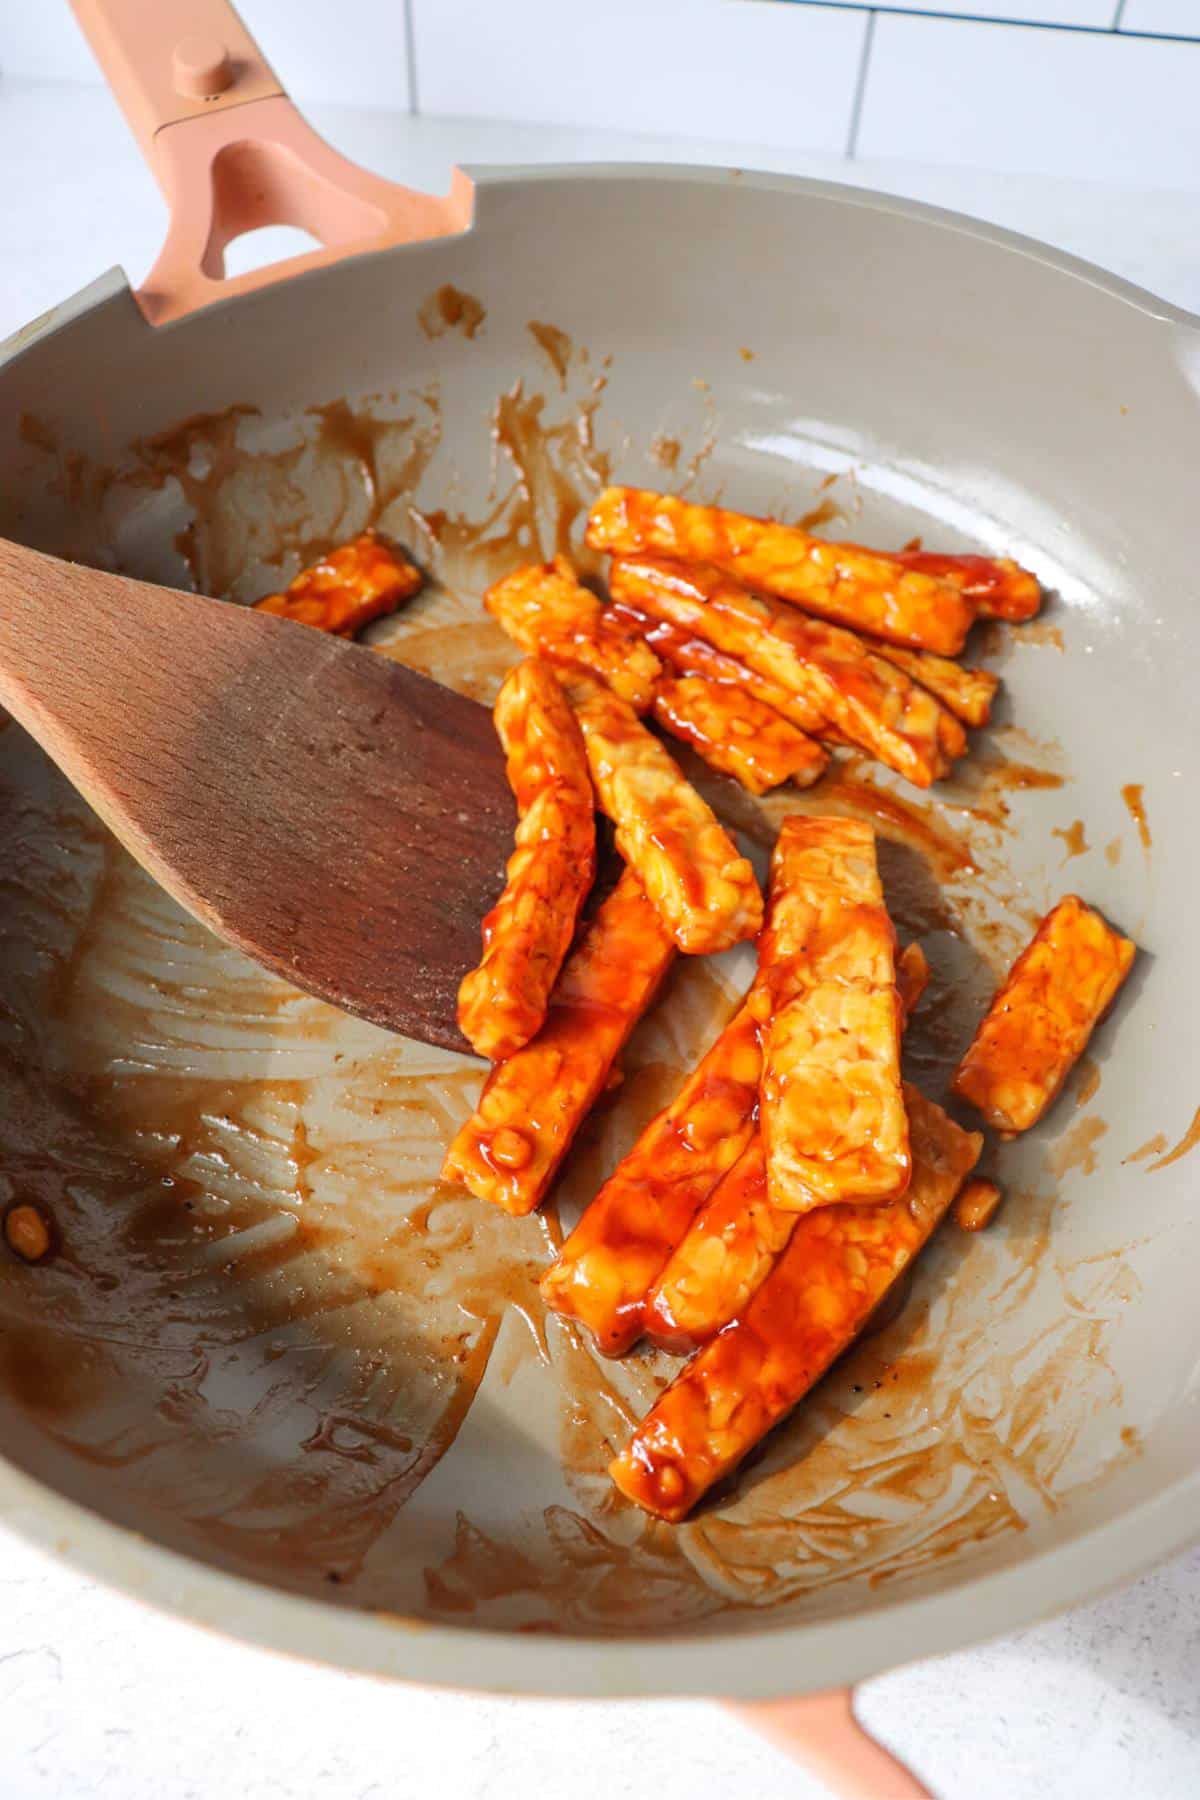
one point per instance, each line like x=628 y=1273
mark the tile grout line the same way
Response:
x=860 y=88
x=410 y=51
x=898 y=9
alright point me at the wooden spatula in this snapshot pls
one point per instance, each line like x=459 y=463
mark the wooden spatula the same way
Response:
x=340 y=819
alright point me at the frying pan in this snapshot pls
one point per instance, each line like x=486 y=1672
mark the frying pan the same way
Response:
x=274 y=1377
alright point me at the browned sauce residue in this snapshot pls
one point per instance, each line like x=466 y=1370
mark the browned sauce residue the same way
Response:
x=665 y=450
x=449 y=309
x=980 y=784
x=1077 y=1149
x=945 y=848
x=1112 y=852
x=1023 y=776
x=35 y=431
x=1037 y=631
x=1088 y=1080
x=556 y=345
x=818 y=515
x=1188 y=1141
x=745 y=354
x=1073 y=838
x=1132 y=795
x=1152 y=1147
x=520 y=431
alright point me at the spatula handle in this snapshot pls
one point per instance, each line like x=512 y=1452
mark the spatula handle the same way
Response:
x=231 y=154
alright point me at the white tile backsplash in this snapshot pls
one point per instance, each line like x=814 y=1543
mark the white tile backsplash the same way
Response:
x=354 y=52
x=1181 y=17
x=743 y=70
x=1059 y=91
x=1098 y=105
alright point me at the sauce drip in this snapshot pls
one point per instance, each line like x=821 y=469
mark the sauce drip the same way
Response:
x=449 y=309
x=1077 y=1148
x=555 y=344
x=1074 y=839
x=1187 y=1142
x=1132 y=794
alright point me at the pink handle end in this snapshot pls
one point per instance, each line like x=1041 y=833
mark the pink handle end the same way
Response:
x=231 y=154
x=263 y=164
x=822 y=1731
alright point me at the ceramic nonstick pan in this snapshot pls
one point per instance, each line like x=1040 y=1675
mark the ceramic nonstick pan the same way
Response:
x=274 y=1376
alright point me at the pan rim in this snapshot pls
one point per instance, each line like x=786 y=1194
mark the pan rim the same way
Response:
x=808 y=1655
x=114 y=284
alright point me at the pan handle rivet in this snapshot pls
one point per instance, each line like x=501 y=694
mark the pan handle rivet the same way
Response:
x=201 y=68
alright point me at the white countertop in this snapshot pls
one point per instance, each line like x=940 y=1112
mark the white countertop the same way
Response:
x=98 y=1696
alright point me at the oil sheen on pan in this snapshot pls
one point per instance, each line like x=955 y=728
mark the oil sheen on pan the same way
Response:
x=266 y=1332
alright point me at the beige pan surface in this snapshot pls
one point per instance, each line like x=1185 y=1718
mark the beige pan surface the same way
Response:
x=318 y=1387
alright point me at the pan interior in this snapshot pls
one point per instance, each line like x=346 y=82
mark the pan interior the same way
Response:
x=267 y=1336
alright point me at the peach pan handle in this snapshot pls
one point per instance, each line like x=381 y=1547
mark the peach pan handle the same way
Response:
x=231 y=153
x=822 y=1731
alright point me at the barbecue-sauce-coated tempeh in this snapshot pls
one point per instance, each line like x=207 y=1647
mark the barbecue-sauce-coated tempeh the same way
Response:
x=866 y=589
x=731 y=1245
x=532 y=1105
x=840 y=1263
x=736 y=733
x=832 y=1114
x=624 y=1237
x=1038 y=1025
x=546 y=610
x=867 y=699
x=704 y=890
x=502 y=1003
x=344 y=591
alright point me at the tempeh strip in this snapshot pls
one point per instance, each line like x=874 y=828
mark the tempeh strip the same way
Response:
x=867 y=589
x=840 y=1263
x=721 y=1260
x=344 y=591
x=531 y=1106
x=732 y=1243
x=502 y=1003
x=871 y=702
x=1038 y=1025
x=704 y=891
x=967 y=692
x=546 y=610
x=832 y=1114
x=627 y=1233
x=736 y=733
x=999 y=587
x=691 y=655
